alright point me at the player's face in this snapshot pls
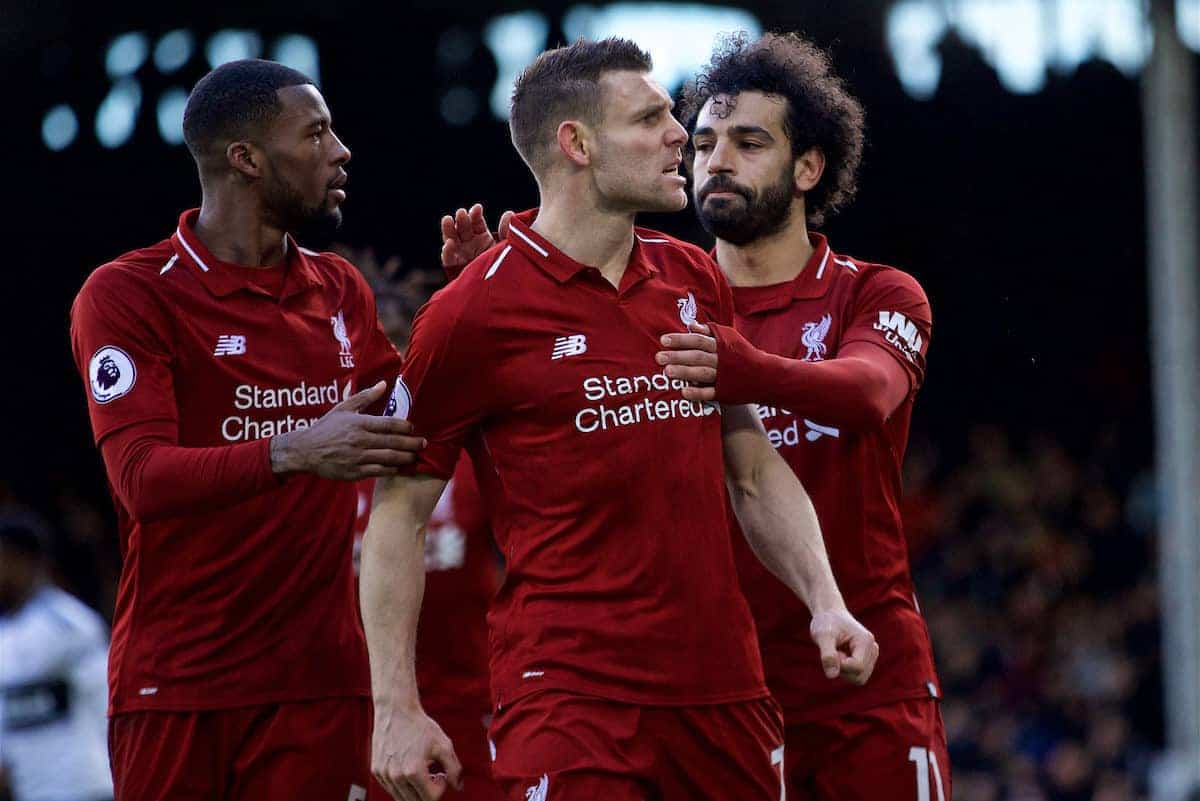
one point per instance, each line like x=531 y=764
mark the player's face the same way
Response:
x=639 y=146
x=305 y=163
x=743 y=168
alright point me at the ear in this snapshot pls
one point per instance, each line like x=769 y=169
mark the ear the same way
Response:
x=244 y=158
x=809 y=168
x=573 y=142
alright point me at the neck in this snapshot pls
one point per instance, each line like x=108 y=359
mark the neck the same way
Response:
x=233 y=230
x=574 y=224
x=768 y=260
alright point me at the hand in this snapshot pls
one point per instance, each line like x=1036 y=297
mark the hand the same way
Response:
x=465 y=235
x=847 y=648
x=692 y=357
x=404 y=748
x=347 y=445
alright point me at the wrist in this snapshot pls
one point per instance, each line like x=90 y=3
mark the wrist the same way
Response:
x=826 y=599
x=284 y=457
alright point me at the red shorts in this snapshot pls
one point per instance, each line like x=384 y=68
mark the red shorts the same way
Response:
x=298 y=751
x=561 y=745
x=469 y=735
x=894 y=752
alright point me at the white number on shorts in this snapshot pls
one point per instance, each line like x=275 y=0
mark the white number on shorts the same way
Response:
x=357 y=793
x=926 y=762
x=777 y=759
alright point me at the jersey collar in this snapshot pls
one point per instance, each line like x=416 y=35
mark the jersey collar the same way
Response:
x=559 y=265
x=813 y=282
x=222 y=278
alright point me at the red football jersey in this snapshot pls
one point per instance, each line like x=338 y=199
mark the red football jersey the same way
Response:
x=606 y=487
x=252 y=603
x=853 y=479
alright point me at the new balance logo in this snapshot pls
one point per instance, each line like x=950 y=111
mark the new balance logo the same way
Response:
x=572 y=345
x=900 y=332
x=230 y=345
x=816 y=431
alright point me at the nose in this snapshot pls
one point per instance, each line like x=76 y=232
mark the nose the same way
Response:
x=719 y=158
x=341 y=153
x=677 y=135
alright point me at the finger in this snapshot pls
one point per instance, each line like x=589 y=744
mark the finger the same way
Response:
x=689 y=342
x=687 y=358
x=462 y=223
x=700 y=328
x=393 y=443
x=386 y=458
x=372 y=471
x=505 y=219
x=450 y=255
x=478 y=223
x=377 y=424
x=362 y=399
x=387 y=783
x=699 y=394
x=696 y=375
x=831 y=660
x=449 y=234
x=425 y=788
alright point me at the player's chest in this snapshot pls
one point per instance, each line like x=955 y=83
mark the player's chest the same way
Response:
x=597 y=351
x=808 y=330
x=250 y=369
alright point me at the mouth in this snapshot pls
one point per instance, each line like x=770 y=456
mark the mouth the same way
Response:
x=672 y=171
x=336 y=187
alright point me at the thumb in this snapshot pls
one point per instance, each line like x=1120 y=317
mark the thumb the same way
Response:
x=831 y=660
x=444 y=753
x=505 y=219
x=700 y=328
x=362 y=399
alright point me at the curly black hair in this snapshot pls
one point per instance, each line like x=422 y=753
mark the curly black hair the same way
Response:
x=821 y=113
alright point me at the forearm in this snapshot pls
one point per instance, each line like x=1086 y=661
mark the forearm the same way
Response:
x=155 y=478
x=856 y=392
x=391 y=587
x=780 y=525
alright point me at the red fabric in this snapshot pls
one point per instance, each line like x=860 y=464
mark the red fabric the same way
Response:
x=153 y=478
x=606 y=488
x=851 y=473
x=875 y=754
x=858 y=390
x=229 y=595
x=589 y=749
x=310 y=751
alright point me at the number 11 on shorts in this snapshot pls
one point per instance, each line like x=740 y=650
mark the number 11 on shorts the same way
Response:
x=777 y=759
x=926 y=762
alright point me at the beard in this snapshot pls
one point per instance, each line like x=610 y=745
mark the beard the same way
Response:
x=757 y=215
x=286 y=209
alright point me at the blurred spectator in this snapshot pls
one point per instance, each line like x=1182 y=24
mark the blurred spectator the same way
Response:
x=1041 y=600
x=53 y=690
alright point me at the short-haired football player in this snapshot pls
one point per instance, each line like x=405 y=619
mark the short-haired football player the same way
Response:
x=833 y=350
x=624 y=661
x=226 y=368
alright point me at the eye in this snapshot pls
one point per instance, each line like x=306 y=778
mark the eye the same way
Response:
x=751 y=146
x=702 y=147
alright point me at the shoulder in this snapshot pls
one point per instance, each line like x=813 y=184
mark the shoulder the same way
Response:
x=873 y=281
x=134 y=271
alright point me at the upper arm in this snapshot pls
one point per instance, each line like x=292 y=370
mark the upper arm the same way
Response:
x=892 y=315
x=405 y=502
x=123 y=353
x=445 y=385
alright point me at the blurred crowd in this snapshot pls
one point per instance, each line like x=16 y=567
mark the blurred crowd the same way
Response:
x=1036 y=572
